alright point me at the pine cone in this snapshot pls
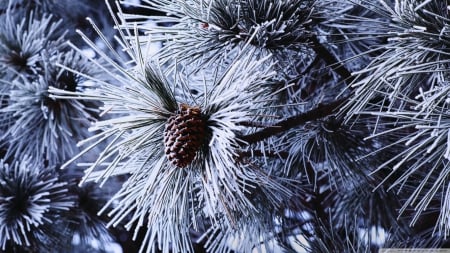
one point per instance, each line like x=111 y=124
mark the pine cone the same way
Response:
x=184 y=135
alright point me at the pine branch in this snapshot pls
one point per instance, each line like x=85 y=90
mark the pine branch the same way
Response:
x=330 y=59
x=321 y=111
x=259 y=153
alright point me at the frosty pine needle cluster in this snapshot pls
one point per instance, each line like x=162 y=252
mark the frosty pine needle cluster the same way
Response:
x=37 y=132
x=31 y=199
x=407 y=83
x=30 y=50
x=209 y=31
x=155 y=131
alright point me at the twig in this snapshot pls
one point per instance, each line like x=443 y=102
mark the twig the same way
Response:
x=331 y=60
x=253 y=153
x=321 y=111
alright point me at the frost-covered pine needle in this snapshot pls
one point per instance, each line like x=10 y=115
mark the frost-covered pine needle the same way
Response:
x=415 y=56
x=142 y=101
x=24 y=43
x=31 y=201
x=38 y=125
x=213 y=30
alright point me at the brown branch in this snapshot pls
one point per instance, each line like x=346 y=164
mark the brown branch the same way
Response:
x=283 y=155
x=321 y=111
x=331 y=60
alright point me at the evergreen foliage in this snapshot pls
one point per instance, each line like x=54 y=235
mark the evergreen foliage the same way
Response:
x=224 y=125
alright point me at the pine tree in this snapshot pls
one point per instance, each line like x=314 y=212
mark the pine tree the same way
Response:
x=224 y=125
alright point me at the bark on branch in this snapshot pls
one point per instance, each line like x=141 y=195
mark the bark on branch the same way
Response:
x=321 y=111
